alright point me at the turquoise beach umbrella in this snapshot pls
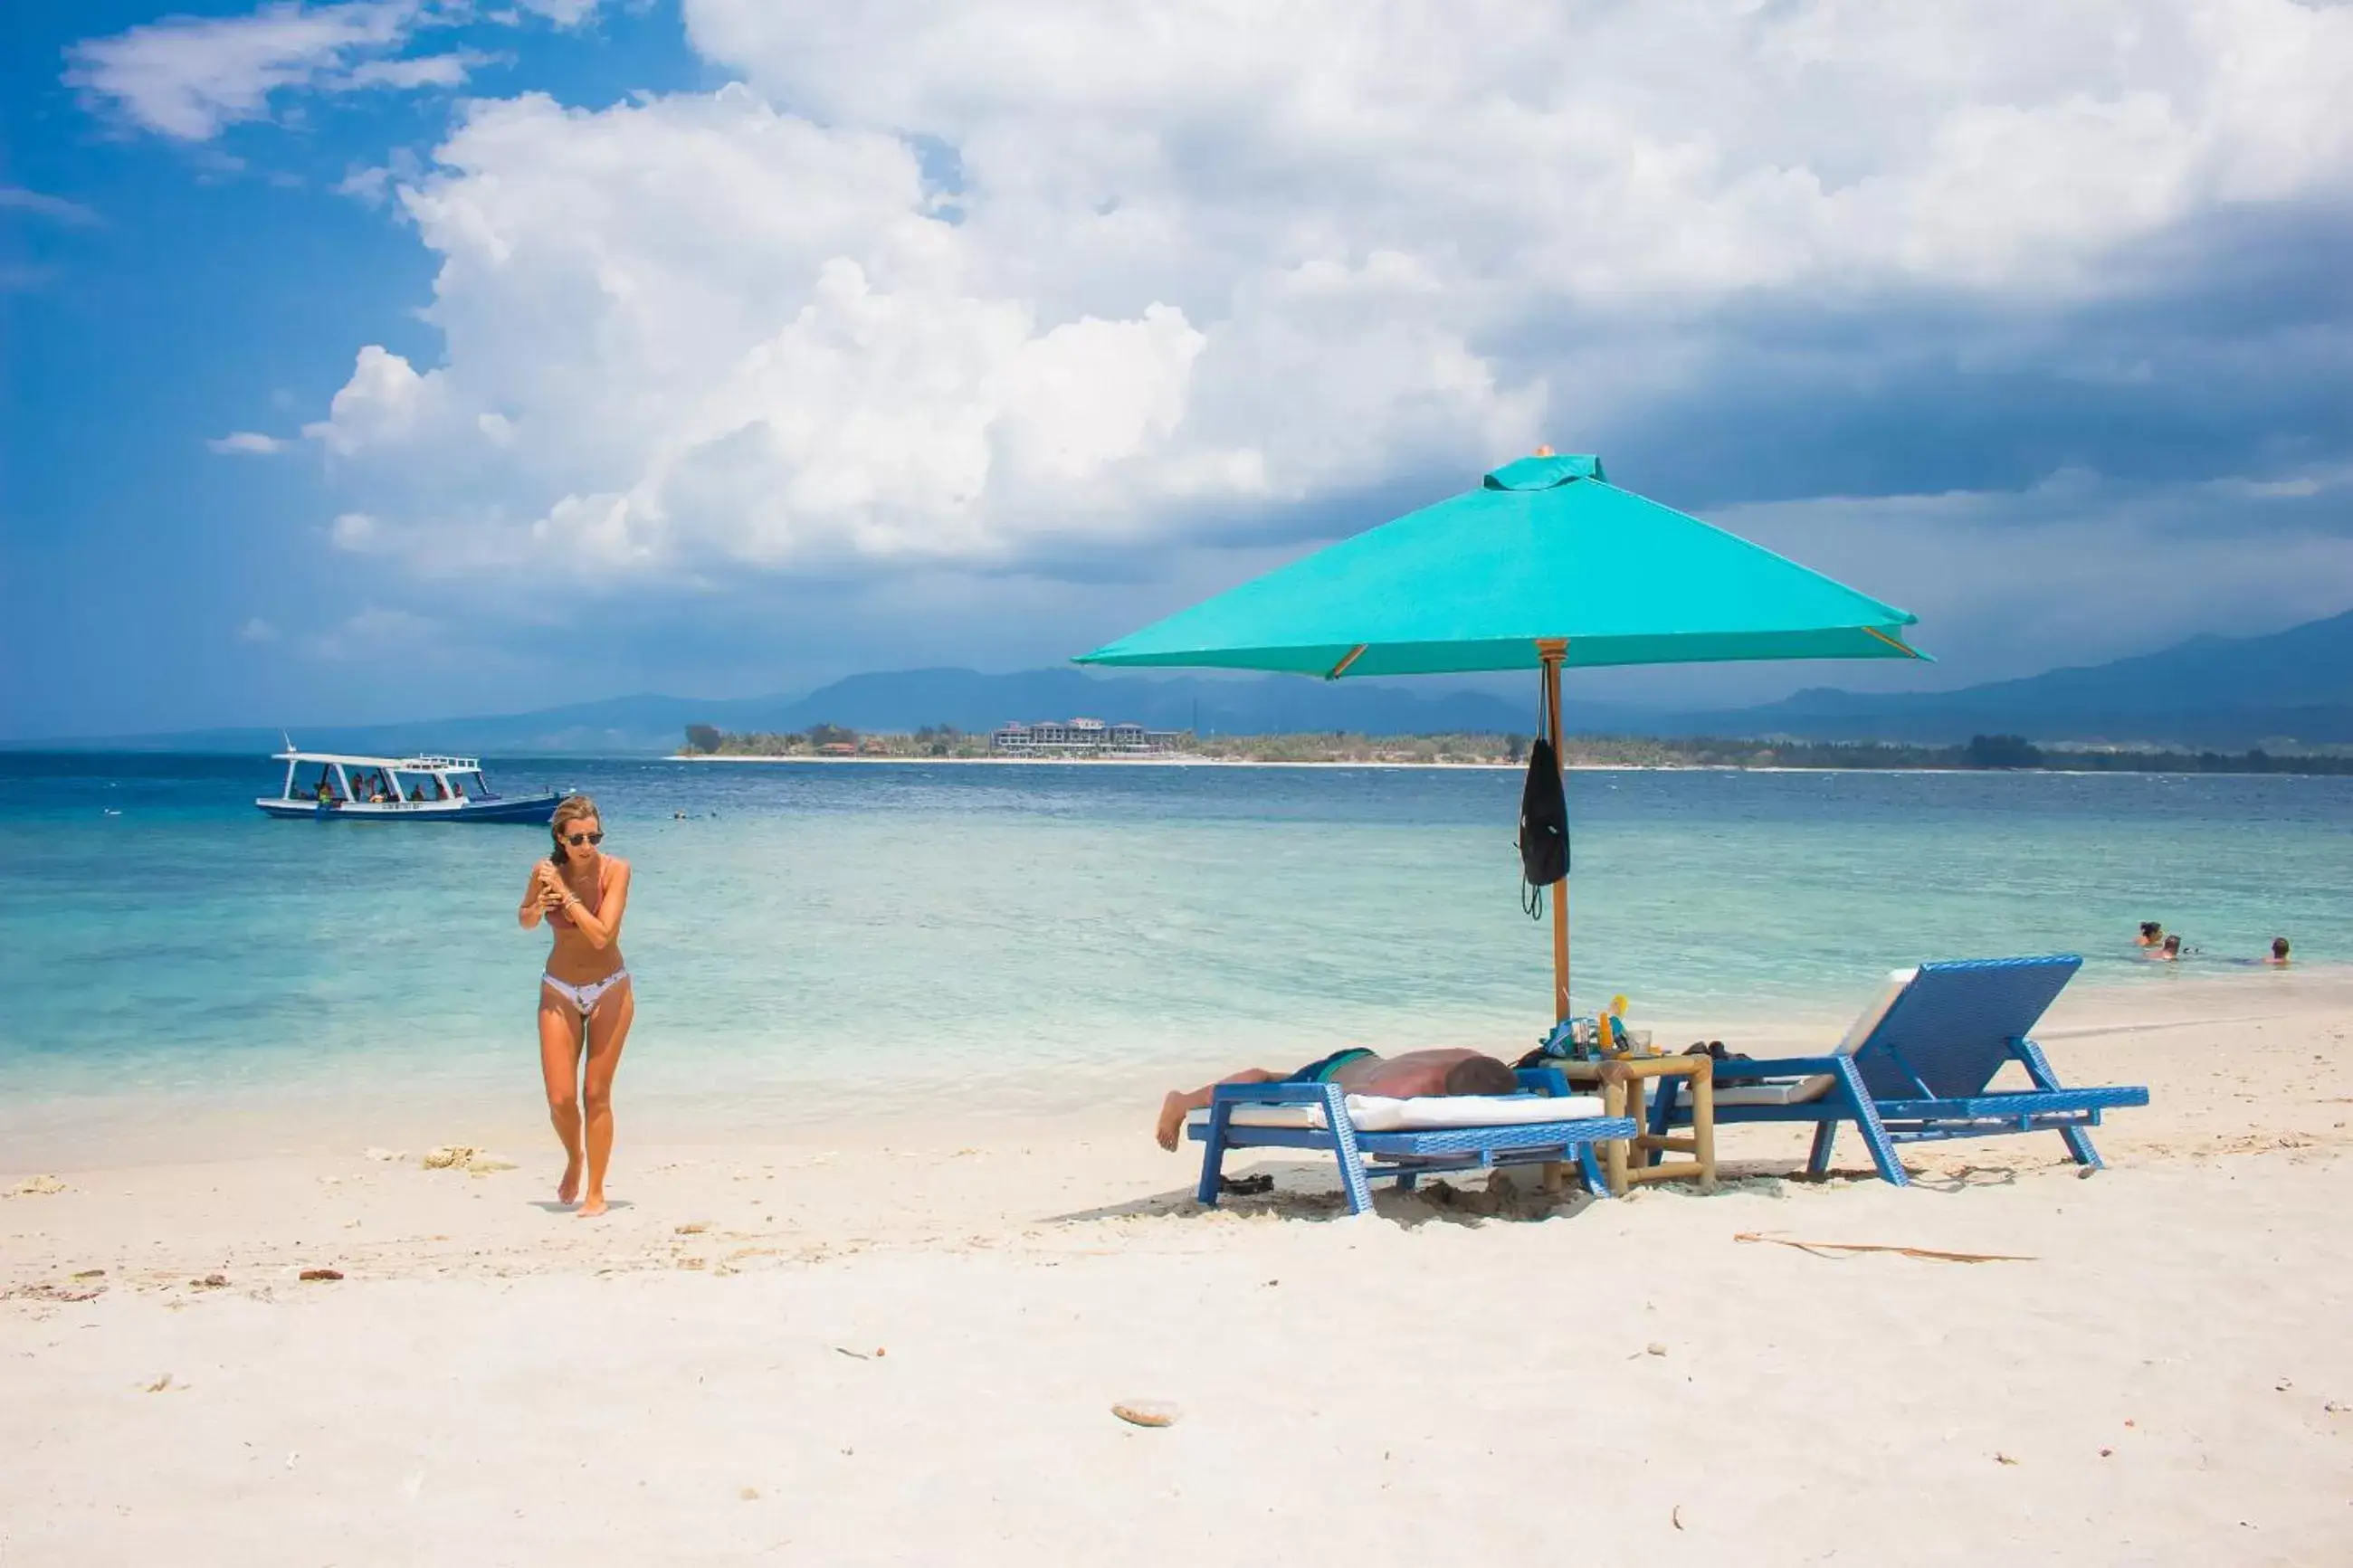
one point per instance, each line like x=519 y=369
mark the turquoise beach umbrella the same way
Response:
x=1546 y=566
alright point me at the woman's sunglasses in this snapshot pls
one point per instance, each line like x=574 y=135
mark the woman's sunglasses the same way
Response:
x=577 y=839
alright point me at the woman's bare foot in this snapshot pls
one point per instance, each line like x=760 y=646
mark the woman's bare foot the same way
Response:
x=592 y=1207
x=1172 y=1120
x=569 y=1188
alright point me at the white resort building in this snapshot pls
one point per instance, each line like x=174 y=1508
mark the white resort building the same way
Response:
x=1081 y=738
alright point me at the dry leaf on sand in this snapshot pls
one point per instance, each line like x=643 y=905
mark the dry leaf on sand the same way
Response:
x=1146 y=1412
x=1832 y=1249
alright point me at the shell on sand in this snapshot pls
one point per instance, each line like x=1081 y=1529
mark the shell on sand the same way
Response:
x=1146 y=1412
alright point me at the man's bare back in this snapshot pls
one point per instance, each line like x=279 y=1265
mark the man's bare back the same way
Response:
x=1400 y=1076
x=1354 y=1072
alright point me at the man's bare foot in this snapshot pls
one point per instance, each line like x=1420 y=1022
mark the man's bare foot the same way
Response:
x=1172 y=1120
x=569 y=1188
x=594 y=1206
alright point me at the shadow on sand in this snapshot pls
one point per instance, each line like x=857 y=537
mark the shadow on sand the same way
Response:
x=1303 y=1191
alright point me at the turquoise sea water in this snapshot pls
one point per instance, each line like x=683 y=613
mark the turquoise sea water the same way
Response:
x=807 y=936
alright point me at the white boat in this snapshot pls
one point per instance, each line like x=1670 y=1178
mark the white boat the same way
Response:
x=396 y=789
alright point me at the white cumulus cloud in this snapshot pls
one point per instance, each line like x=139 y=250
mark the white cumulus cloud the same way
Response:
x=247 y=444
x=188 y=77
x=378 y=407
x=988 y=286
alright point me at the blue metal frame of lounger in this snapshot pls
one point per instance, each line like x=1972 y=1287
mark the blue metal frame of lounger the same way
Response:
x=2049 y=1106
x=1404 y=1157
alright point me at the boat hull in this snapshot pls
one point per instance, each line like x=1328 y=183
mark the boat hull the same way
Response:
x=531 y=808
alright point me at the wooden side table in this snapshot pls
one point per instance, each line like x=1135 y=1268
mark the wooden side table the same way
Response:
x=1620 y=1080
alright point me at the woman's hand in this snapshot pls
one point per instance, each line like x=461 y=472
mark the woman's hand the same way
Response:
x=534 y=905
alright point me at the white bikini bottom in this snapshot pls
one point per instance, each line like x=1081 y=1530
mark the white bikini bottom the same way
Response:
x=584 y=997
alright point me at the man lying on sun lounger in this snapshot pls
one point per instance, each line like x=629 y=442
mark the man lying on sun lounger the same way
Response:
x=1360 y=1071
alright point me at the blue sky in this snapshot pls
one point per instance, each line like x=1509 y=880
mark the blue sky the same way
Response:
x=400 y=357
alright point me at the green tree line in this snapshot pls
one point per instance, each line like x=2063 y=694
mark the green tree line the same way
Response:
x=1980 y=753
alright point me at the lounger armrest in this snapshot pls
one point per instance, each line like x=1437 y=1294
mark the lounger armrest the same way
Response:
x=1267 y=1094
x=1547 y=1081
x=1779 y=1067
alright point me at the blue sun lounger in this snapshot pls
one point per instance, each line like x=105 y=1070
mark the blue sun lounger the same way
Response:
x=1239 y=1118
x=1914 y=1067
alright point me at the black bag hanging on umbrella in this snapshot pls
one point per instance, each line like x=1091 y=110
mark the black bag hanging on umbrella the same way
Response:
x=1543 y=827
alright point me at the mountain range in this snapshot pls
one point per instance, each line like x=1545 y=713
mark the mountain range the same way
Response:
x=2230 y=693
x=2209 y=692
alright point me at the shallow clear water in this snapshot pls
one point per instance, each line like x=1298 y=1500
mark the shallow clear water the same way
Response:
x=805 y=933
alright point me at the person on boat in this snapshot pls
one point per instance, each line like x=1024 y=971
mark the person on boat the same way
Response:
x=326 y=789
x=2278 y=959
x=1358 y=1071
x=2152 y=934
x=586 y=1000
x=417 y=792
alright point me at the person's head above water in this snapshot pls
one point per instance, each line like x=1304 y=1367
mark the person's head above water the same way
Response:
x=1481 y=1075
x=2279 y=949
x=2173 y=947
x=2151 y=932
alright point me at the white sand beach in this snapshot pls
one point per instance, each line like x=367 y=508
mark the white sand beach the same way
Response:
x=902 y=1343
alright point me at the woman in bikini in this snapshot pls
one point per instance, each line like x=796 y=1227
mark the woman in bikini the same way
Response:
x=585 y=1001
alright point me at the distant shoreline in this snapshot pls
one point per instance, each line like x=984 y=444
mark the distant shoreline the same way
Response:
x=1979 y=753
x=1173 y=761
x=1199 y=761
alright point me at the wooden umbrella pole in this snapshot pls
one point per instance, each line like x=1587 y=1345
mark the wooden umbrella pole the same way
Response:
x=1553 y=653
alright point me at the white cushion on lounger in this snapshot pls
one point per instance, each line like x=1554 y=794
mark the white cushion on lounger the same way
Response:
x=1300 y=1116
x=1373 y=1114
x=1799 y=1090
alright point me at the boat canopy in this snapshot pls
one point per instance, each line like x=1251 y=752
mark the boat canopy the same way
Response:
x=449 y=775
x=418 y=764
